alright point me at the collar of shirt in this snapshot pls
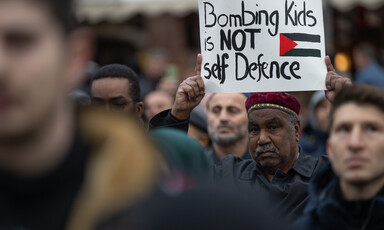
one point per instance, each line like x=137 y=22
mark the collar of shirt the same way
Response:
x=304 y=166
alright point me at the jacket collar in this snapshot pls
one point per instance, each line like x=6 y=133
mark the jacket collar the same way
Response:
x=305 y=164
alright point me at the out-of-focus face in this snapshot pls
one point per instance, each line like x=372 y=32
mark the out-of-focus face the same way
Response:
x=113 y=94
x=273 y=139
x=156 y=102
x=227 y=118
x=34 y=65
x=356 y=144
x=322 y=114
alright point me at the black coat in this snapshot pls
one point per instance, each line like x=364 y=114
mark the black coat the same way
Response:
x=288 y=193
x=327 y=209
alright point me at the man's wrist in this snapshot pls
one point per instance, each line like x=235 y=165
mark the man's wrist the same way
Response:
x=180 y=115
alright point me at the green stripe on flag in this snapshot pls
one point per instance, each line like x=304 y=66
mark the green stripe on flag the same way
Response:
x=303 y=53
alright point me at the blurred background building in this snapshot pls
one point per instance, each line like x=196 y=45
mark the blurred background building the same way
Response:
x=161 y=37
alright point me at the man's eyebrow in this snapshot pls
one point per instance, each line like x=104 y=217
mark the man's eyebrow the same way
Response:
x=273 y=121
x=116 y=98
x=216 y=106
x=22 y=29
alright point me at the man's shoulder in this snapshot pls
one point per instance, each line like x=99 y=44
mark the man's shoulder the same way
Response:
x=307 y=165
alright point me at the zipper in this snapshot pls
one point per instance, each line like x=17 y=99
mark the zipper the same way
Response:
x=364 y=226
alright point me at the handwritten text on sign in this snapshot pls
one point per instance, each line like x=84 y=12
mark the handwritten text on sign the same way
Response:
x=262 y=45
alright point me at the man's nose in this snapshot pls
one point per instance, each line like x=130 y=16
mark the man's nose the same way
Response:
x=263 y=138
x=355 y=141
x=223 y=116
x=107 y=107
x=3 y=62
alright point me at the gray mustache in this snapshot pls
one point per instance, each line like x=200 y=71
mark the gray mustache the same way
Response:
x=266 y=148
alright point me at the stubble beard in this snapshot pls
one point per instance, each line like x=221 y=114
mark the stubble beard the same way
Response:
x=238 y=134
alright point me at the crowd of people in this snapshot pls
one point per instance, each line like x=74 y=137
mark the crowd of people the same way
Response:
x=125 y=154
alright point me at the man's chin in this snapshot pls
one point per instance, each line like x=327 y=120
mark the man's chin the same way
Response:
x=268 y=163
x=230 y=139
x=13 y=132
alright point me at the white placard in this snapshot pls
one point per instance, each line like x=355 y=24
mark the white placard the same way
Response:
x=262 y=45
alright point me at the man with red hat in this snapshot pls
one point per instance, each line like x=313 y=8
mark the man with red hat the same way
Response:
x=279 y=169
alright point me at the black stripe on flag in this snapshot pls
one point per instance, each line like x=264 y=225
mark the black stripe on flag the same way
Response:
x=303 y=37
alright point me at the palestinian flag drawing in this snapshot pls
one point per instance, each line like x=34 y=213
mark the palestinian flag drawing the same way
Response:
x=299 y=45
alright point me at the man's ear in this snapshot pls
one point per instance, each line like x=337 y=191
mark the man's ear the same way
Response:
x=297 y=131
x=139 y=109
x=80 y=52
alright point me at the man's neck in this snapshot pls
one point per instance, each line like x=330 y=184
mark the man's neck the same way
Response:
x=270 y=173
x=237 y=149
x=353 y=192
x=42 y=149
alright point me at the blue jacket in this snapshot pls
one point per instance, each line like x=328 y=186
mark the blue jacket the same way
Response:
x=327 y=209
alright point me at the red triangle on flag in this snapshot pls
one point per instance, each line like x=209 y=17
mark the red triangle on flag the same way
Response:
x=286 y=44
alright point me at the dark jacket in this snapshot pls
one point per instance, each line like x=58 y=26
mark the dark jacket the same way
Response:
x=327 y=209
x=165 y=119
x=216 y=161
x=288 y=193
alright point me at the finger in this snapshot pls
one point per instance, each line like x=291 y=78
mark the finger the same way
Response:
x=329 y=65
x=200 y=83
x=333 y=82
x=188 y=91
x=328 y=80
x=199 y=60
x=194 y=86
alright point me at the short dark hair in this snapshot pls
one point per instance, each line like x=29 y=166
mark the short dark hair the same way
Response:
x=120 y=71
x=361 y=94
x=63 y=11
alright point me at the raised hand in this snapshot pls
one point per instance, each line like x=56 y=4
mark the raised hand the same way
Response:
x=189 y=94
x=334 y=82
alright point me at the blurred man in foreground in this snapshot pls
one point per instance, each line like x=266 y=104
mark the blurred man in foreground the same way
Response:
x=59 y=168
x=349 y=192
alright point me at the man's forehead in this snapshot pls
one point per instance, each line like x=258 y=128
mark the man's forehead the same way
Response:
x=22 y=14
x=112 y=87
x=228 y=99
x=352 y=112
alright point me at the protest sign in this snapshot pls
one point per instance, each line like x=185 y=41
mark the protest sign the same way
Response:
x=262 y=45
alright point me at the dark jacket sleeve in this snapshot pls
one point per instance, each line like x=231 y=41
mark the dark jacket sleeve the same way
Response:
x=165 y=119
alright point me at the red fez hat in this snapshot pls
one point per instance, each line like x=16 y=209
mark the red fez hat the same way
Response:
x=275 y=100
